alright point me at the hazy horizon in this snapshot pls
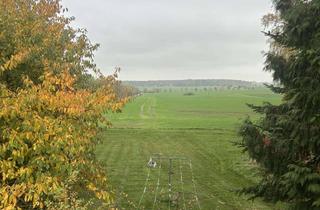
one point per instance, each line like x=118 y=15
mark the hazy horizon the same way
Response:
x=153 y=80
x=176 y=40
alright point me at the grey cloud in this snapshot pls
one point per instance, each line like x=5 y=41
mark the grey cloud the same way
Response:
x=172 y=39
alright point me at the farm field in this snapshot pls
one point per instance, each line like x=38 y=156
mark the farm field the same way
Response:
x=197 y=133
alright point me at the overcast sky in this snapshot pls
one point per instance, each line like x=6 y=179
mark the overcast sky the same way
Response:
x=176 y=39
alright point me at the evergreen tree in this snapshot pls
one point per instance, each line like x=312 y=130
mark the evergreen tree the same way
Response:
x=286 y=141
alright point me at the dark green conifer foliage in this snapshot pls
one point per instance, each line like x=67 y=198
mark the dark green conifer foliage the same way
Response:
x=286 y=141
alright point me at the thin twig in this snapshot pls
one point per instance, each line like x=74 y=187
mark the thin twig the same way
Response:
x=194 y=185
x=158 y=185
x=145 y=187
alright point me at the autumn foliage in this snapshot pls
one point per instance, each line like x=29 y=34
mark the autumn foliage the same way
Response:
x=48 y=120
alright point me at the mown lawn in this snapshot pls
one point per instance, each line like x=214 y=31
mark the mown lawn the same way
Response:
x=195 y=129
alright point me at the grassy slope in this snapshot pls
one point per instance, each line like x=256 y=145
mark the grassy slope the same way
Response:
x=199 y=127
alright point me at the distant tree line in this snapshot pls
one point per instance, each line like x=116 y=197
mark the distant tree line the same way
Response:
x=192 y=89
x=121 y=89
x=194 y=83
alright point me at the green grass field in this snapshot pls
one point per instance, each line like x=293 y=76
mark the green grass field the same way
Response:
x=196 y=129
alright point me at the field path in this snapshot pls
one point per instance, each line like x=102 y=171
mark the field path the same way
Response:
x=147 y=109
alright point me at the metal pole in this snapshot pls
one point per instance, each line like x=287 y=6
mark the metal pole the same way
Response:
x=170 y=183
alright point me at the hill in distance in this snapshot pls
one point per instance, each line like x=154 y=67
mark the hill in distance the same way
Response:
x=194 y=83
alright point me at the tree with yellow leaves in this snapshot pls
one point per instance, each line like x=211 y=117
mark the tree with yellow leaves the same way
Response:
x=48 y=122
